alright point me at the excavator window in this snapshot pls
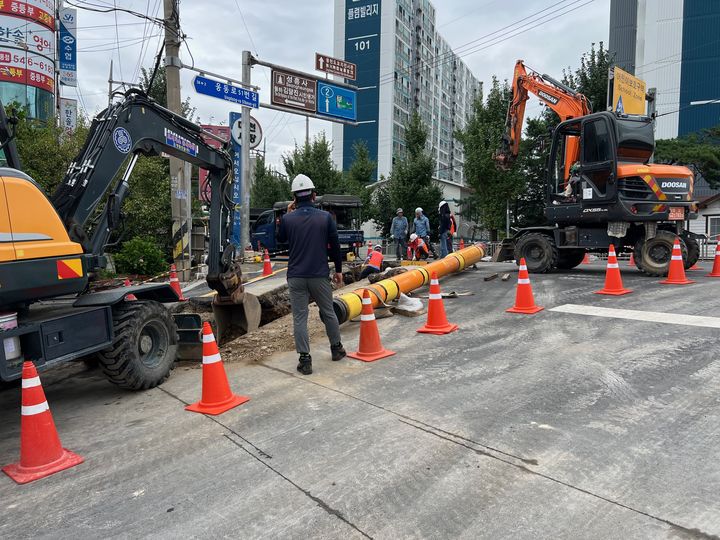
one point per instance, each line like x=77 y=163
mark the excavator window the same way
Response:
x=598 y=155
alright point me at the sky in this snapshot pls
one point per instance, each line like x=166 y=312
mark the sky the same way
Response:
x=289 y=32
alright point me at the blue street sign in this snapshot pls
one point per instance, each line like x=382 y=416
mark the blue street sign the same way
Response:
x=336 y=101
x=237 y=186
x=228 y=92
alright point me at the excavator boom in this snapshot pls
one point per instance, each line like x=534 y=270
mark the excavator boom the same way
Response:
x=565 y=101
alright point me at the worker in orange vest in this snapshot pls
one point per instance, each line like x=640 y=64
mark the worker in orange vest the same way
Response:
x=373 y=263
x=418 y=246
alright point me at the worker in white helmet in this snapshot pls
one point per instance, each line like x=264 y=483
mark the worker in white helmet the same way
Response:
x=311 y=235
x=418 y=247
x=421 y=224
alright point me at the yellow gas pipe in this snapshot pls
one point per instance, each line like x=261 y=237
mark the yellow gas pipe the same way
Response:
x=349 y=305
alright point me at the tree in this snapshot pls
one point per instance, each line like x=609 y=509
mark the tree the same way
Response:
x=492 y=188
x=269 y=186
x=359 y=177
x=591 y=78
x=315 y=160
x=699 y=150
x=532 y=162
x=158 y=90
x=411 y=182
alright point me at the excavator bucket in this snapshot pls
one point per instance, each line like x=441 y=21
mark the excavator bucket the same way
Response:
x=236 y=312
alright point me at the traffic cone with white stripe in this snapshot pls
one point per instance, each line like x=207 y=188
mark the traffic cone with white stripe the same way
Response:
x=586 y=259
x=632 y=260
x=41 y=453
x=369 y=251
x=524 y=301
x=130 y=296
x=370 y=348
x=613 y=279
x=716 y=265
x=461 y=245
x=175 y=283
x=676 y=272
x=437 y=322
x=216 y=394
x=267 y=265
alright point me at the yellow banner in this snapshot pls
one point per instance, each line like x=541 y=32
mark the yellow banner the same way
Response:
x=628 y=93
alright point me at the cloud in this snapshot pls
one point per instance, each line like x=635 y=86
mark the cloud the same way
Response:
x=287 y=32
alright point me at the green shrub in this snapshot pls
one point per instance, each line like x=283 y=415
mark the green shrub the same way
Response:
x=140 y=256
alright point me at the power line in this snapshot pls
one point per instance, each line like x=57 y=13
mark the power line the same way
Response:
x=117 y=41
x=710 y=102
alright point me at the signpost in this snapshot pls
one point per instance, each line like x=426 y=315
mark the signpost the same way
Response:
x=293 y=91
x=626 y=93
x=335 y=66
x=226 y=91
x=336 y=101
x=237 y=188
x=255 y=132
x=67 y=47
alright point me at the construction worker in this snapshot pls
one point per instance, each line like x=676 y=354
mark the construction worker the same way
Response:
x=398 y=233
x=418 y=246
x=445 y=228
x=422 y=229
x=373 y=262
x=311 y=235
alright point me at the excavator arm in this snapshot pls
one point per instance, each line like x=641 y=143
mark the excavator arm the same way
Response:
x=136 y=126
x=565 y=101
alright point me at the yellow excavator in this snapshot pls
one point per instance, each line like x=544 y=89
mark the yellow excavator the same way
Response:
x=52 y=247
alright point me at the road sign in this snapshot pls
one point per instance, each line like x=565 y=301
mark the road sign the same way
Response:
x=336 y=101
x=628 y=93
x=335 y=66
x=237 y=184
x=255 y=132
x=293 y=91
x=67 y=47
x=226 y=91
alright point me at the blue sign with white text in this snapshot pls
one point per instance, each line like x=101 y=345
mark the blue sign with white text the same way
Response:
x=336 y=101
x=227 y=92
x=237 y=185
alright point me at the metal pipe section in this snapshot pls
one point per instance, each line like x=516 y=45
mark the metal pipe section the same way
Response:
x=349 y=305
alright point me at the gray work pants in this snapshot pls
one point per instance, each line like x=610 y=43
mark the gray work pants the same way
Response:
x=301 y=290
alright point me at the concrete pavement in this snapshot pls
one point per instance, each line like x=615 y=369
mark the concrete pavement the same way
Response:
x=560 y=425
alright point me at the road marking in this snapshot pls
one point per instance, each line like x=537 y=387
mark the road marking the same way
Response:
x=635 y=315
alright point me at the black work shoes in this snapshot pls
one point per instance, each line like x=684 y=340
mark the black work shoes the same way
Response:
x=338 y=352
x=305 y=364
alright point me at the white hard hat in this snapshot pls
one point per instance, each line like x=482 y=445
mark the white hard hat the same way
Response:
x=418 y=210
x=442 y=203
x=302 y=183
x=398 y=211
x=378 y=247
x=413 y=237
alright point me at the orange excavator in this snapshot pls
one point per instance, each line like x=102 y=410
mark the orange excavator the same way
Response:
x=602 y=188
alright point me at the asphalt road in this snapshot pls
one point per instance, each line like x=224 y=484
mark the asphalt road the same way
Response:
x=558 y=425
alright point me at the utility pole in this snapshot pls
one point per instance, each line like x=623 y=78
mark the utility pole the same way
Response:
x=307 y=130
x=179 y=171
x=245 y=159
x=110 y=79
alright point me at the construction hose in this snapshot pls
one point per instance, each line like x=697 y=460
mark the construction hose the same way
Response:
x=349 y=305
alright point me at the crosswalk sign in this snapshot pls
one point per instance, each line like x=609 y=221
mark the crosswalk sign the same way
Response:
x=620 y=109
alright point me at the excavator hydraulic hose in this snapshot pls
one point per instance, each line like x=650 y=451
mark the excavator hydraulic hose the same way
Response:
x=349 y=305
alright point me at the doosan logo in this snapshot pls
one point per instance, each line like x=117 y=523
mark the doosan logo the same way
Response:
x=547 y=97
x=664 y=185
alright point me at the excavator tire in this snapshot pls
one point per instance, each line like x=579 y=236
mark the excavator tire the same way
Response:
x=144 y=348
x=652 y=256
x=570 y=258
x=693 y=250
x=540 y=252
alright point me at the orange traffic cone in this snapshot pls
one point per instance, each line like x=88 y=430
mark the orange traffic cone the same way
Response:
x=369 y=251
x=370 y=348
x=632 y=260
x=267 y=266
x=175 y=283
x=524 y=301
x=41 y=453
x=130 y=296
x=613 y=280
x=409 y=254
x=676 y=273
x=586 y=259
x=216 y=394
x=716 y=265
x=437 y=322
x=462 y=244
